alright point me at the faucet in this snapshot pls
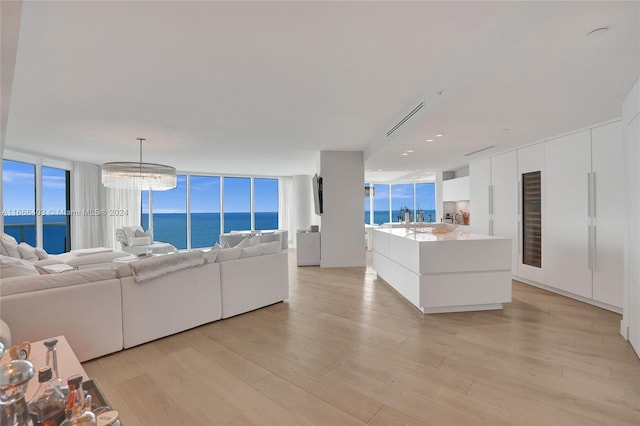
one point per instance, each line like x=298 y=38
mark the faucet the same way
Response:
x=456 y=218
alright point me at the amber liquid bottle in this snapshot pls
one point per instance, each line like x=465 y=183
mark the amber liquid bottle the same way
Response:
x=47 y=405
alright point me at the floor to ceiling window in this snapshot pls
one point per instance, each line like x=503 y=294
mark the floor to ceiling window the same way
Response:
x=170 y=214
x=426 y=201
x=37 y=217
x=198 y=198
x=204 y=200
x=401 y=200
x=265 y=203
x=19 y=200
x=391 y=201
x=381 y=206
x=55 y=202
x=237 y=204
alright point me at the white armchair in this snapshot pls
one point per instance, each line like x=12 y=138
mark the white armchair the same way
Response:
x=136 y=241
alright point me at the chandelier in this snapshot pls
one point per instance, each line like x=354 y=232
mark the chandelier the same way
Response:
x=144 y=176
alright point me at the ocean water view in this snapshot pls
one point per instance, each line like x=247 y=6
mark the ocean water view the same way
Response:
x=205 y=227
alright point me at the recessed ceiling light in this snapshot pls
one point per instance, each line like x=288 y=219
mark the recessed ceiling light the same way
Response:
x=379 y=170
x=439 y=135
x=429 y=140
x=598 y=32
x=409 y=150
x=405 y=154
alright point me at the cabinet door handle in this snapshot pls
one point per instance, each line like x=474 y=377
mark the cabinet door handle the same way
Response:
x=589 y=196
x=594 y=245
x=490 y=199
x=594 y=193
x=590 y=248
x=490 y=226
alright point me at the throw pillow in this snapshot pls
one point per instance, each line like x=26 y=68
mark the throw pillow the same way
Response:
x=244 y=243
x=232 y=253
x=14 y=267
x=27 y=252
x=209 y=255
x=41 y=253
x=251 y=252
x=130 y=232
x=9 y=246
x=139 y=241
x=271 y=248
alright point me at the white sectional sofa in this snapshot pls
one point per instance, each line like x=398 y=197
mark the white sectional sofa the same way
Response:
x=85 y=306
x=104 y=310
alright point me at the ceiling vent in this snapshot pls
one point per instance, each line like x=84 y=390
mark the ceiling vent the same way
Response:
x=479 y=150
x=406 y=118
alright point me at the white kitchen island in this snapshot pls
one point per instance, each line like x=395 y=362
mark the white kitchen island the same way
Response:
x=451 y=272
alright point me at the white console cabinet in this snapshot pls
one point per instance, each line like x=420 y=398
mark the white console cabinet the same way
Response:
x=308 y=248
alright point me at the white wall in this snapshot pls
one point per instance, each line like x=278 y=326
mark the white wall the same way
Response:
x=342 y=222
x=631 y=302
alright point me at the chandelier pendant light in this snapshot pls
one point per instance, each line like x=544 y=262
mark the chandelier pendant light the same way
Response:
x=143 y=176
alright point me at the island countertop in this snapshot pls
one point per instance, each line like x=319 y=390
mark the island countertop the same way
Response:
x=451 y=272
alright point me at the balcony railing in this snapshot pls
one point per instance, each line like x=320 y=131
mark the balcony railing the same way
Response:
x=19 y=232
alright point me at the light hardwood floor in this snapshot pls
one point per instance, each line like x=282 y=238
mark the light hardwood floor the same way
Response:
x=345 y=349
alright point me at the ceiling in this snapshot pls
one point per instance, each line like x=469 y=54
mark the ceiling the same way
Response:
x=261 y=87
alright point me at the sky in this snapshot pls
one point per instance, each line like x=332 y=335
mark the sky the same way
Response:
x=402 y=196
x=18 y=192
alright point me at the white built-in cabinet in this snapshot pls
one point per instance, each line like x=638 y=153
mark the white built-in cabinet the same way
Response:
x=504 y=201
x=455 y=189
x=567 y=253
x=581 y=200
x=585 y=193
x=494 y=199
x=607 y=157
x=480 y=175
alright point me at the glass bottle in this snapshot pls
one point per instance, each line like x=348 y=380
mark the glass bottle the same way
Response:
x=76 y=414
x=48 y=404
x=51 y=360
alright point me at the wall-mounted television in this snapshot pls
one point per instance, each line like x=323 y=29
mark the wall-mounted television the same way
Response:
x=317 y=193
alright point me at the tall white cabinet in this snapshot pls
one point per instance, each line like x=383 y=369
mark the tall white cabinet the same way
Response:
x=578 y=232
x=479 y=186
x=567 y=253
x=494 y=199
x=607 y=158
x=504 y=201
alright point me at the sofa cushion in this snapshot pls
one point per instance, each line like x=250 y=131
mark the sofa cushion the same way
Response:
x=23 y=284
x=56 y=268
x=15 y=267
x=250 y=251
x=271 y=236
x=232 y=253
x=27 y=252
x=271 y=248
x=41 y=253
x=9 y=246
